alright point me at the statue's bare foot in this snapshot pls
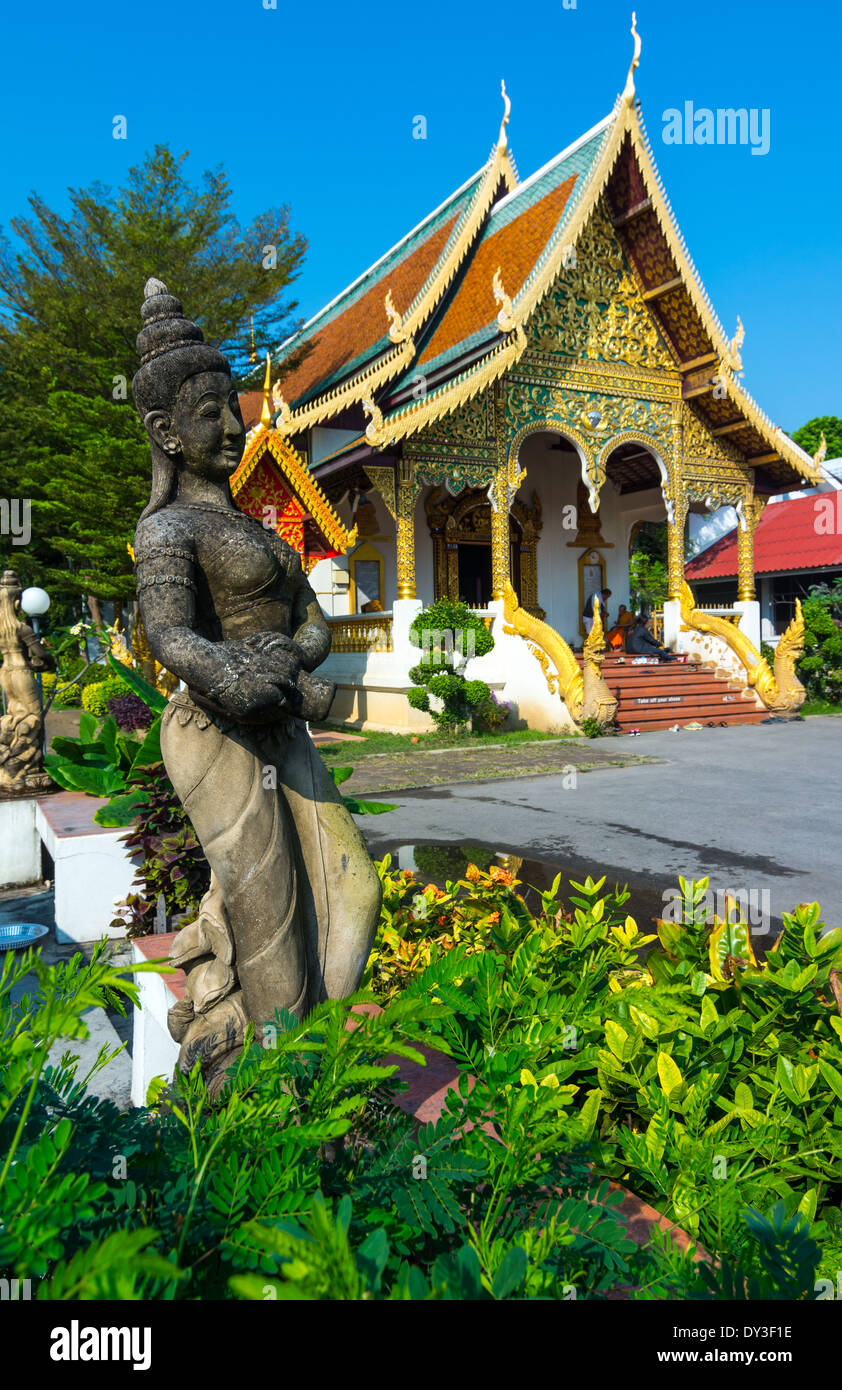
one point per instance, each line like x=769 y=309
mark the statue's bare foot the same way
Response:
x=214 y=1037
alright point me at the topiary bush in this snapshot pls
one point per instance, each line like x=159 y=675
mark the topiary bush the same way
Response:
x=95 y=697
x=449 y=635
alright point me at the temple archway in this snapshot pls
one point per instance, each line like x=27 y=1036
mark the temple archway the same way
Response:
x=638 y=475
x=569 y=439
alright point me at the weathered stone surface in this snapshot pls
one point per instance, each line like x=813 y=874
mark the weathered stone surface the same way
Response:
x=294 y=898
x=22 y=726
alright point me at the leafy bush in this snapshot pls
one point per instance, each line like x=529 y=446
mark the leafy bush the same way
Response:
x=490 y=715
x=820 y=668
x=95 y=697
x=102 y=760
x=251 y=1197
x=130 y=712
x=449 y=635
x=711 y=1083
x=65 y=699
x=173 y=862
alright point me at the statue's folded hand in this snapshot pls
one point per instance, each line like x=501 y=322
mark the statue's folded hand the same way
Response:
x=253 y=696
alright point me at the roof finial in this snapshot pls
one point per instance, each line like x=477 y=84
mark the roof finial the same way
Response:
x=505 y=318
x=628 y=91
x=253 y=353
x=266 y=409
x=821 y=453
x=397 y=332
x=733 y=360
x=502 y=138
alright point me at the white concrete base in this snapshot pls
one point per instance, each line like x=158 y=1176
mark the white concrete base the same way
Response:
x=92 y=870
x=20 y=843
x=154 y=1052
x=750 y=620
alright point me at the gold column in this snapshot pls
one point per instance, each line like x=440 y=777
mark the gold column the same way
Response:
x=675 y=546
x=753 y=508
x=406 y=530
x=500 y=566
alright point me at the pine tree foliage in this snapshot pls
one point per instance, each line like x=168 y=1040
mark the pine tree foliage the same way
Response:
x=71 y=286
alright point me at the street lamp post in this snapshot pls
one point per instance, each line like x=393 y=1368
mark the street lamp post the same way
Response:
x=34 y=603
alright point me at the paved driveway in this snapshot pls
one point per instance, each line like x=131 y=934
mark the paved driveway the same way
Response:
x=756 y=807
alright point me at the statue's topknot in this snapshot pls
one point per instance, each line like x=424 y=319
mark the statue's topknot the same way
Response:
x=172 y=349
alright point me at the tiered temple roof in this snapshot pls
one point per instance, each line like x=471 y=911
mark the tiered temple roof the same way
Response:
x=459 y=324
x=273 y=484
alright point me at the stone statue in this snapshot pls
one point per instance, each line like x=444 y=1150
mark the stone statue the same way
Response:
x=294 y=898
x=22 y=726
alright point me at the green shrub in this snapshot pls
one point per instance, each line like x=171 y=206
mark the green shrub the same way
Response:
x=709 y=1083
x=449 y=635
x=95 y=697
x=491 y=715
x=66 y=699
x=820 y=668
x=93 y=674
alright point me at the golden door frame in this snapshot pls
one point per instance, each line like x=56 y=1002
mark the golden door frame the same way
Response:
x=450 y=525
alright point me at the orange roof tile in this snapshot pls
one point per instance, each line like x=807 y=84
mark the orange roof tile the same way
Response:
x=364 y=322
x=515 y=248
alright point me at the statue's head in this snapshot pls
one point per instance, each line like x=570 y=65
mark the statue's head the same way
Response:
x=11 y=586
x=185 y=397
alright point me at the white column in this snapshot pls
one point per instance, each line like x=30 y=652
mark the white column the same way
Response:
x=750 y=619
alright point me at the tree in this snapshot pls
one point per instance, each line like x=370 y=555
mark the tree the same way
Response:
x=809 y=436
x=649 y=565
x=70 y=294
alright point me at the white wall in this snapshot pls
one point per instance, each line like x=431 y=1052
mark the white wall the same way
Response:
x=555 y=475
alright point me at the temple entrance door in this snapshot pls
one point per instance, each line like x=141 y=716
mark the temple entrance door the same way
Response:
x=475 y=574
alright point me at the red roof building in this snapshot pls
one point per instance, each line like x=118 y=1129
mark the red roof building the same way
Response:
x=798 y=543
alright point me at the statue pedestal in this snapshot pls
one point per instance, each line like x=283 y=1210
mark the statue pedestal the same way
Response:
x=92 y=869
x=20 y=843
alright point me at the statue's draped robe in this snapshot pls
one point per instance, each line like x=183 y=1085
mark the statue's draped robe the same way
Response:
x=294 y=897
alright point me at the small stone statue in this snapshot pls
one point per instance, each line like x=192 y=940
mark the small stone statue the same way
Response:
x=22 y=726
x=294 y=898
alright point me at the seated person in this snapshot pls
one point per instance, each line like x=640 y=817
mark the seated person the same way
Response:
x=616 y=638
x=641 y=642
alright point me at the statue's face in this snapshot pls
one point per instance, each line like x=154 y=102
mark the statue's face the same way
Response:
x=207 y=423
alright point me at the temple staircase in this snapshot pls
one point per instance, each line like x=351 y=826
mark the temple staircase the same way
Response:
x=659 y=696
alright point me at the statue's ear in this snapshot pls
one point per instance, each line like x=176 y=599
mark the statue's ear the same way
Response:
x=159 y=428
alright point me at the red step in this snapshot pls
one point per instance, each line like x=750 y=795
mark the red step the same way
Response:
x=660 y=695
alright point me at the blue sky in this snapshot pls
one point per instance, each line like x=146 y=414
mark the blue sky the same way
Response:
x=313 y=105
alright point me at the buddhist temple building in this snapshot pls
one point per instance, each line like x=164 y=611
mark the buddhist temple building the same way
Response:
x=274 y=485
x=499 y=402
